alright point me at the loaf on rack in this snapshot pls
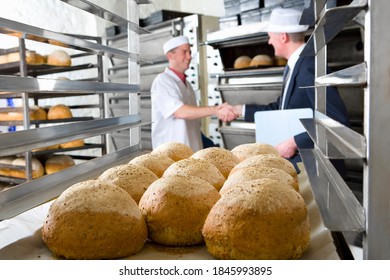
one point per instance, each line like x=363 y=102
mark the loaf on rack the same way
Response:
x=245 y=151
x=243 y=61
x=59 y=111
x=59 y=58
x=37 y=168
x=157 y=163
x=35 y=113
x=261 y=60
x=8 y=161
x=174 y=150
x=57 y=163
x=72 y=144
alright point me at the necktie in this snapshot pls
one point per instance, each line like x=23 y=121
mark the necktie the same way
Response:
x=285 y=78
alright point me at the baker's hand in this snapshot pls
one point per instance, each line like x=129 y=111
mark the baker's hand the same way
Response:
x=225 y=112
x=288 y=148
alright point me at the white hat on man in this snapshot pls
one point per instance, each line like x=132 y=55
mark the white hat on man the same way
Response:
x=285 y=21
x=174 y=43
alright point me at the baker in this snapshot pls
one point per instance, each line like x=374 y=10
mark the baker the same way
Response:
x=175 y=112
x=287 y=37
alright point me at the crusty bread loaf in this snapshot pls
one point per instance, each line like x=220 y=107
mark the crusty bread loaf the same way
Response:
x=280 y=61
x=242 y=62
x=175 y=208
x=268 y=160
x=199 y=168
x=258 y=172
x=157 y=163
x=35 y=113
x=4 y=171
x=59 y=58
x=94 y=220
x=32 y=58
x=223 y=159
x=261 y=60
x=57 y=163
x=174 y=150
x=52 y=147
x=72 y=144
x=134 y=179
x=244 y=151
x=37 y=168
x=260 y=219
x=59 y=111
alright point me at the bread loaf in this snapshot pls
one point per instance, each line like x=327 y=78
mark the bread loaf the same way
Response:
x=157 y=163
x=280 y=61
x=35 y=113
x=223 y=159
x=245 y=151
x=175 y=208
x=72 y=144
x=37 y=168
x=4 y=171
x=269 y=160
x=253 y=173
x=59 y=111
x=132 y=178
x=242 y=62
x=261 y=60
x=59 y=58
x=174 y=150
x=199 y=168
x=94 y=220
x=57 y=163
x=261 y=219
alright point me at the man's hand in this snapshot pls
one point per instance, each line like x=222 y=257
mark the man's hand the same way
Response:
x=225 y=112
x=288 y=148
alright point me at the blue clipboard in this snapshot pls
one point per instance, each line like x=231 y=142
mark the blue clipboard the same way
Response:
x=273 y=127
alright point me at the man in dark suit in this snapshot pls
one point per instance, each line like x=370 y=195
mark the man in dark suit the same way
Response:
x=288 y=39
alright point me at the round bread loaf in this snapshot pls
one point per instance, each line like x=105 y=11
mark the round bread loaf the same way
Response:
x=268 y=160
x=174 y=150
x=280 y=61
x=59 y=111
x=157 y=163
x=199 y=168
x=175 y=208
x=72 y=144
x=32 y=58
x=261 y=60
x=57 y=163
x=223 y=159
x=245 y=151
x=4 y=171
x=243 y=61
x=36 y=165
x=134 y=179
x=59 y=58
x=253 y=173
x=260 y=219
x=94 y=220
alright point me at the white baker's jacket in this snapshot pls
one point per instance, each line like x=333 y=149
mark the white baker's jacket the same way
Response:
x=169 y=93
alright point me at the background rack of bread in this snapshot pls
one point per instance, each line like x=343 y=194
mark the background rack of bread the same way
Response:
x=242 y=203
x=55 y=58
x=14 y=166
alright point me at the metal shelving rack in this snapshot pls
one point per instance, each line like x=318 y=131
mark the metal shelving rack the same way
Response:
x=25 y=196
x=339 y=208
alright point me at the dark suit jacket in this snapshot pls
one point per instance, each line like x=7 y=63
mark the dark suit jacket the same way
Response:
x=296 y=97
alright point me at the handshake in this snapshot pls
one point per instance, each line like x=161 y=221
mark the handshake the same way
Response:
x=226 y=112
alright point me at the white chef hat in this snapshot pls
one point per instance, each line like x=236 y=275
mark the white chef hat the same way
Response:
x=174 y=43
x=285 y=21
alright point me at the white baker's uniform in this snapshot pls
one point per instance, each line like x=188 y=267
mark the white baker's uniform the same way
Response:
x=169 y=93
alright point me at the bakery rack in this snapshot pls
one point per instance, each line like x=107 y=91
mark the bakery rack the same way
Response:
x=31 y=193
x=339 y=208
